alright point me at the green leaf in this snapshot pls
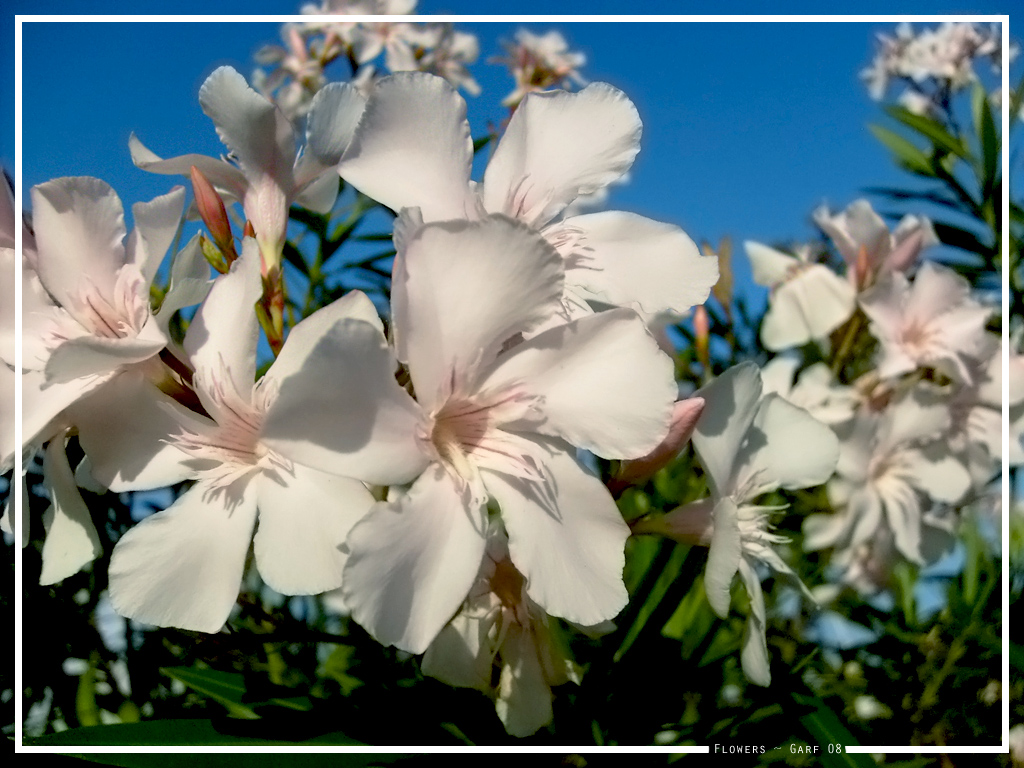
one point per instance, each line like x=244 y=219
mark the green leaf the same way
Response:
x=668 y=575
x=987 y=137
x=482 y=142
x=931 y=129
x=909 y=156
x=950 y=234
x=178 y=733
x=827 y=730
x=226 y=688
x=337 y=668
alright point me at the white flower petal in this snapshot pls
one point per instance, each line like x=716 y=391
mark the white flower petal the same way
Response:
x=462 y=654
x=220 y=173
x=307 y=333
x=637 y=262
x=156 y=224
x=465 y=289
x=730 y=405
x=413 y=561
x=604 y=383
x=769 y=266
x=341 y=410
x=412 y=147
x=222 y=337
x=808 y=306
x=100 y=356
x=79 y=227
x=71 y=538
x=125 y=429
x=304 y=517
x=183 y=567
x=567 y=537
x=255 y=131
x=724 y=556
x=190 y=282
x=939 y=474
x=333 y=116
x=754 y=655
x=559 y=146
x=798 y=452
x=524 y=697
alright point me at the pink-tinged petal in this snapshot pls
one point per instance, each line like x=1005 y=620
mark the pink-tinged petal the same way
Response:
x=524 y=696
x=156 y=224
x=125 y=429
x=413 y=561
x=79 y=226
x=935 y=291
x=603 y=383
x=632 y=261
x=855 y=228
x=558 y=146
x=412 y=147
x=809 y=306
x=769 y=266
x=724 y=556
x=183 y=567
x=333 y=116
x=754 y=654
x=340 y=410
x=99 y=356
x=222 y=337
x=566 y=537
x=255 y=131
x=797 y=451
x=684 y=419
x=912 y=235
x=71 y=538
x=304 y=336
x=468 y=287
x=304 y=517
x=220 y=173
x=730 y=405
x=8 y=418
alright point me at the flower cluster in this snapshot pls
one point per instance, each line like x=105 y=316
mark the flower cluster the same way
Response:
x=540 y=62
x=297 y=67
x=451 y=505
x=933 y=64
x=919 y=433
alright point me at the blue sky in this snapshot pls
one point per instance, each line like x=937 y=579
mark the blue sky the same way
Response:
x=747 y=126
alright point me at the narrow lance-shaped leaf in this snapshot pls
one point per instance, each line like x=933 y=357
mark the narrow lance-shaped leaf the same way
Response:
x=909 y=156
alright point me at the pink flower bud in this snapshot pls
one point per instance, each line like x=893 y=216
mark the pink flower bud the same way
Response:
x=211 y=209
x=689 y=524
x=684 y=419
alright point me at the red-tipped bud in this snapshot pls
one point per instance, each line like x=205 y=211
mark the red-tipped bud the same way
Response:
x=684 y=419
x=211 y=209
x=249 y=230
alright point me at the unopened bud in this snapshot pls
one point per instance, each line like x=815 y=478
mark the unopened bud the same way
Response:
x=702 y=335
x=691 y=523
x=249 y=230
x=862 y=269
x=684 y=419
x=215 y=217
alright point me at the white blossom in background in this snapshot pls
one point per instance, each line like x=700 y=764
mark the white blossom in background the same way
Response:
x=933 y=322
x=499 y=626
x=814 y=390
x=413 y=149
x=541 y=62
x=265 y=171
x=749 y=445
x=932 y=64
x=808 y=300
x=492 y=420
x=866 y=245
x=890 y=472
x=182 y=567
